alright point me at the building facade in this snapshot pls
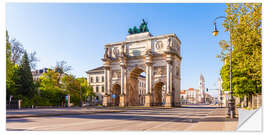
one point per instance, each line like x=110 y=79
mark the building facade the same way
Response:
x=38 y=73
x=191 y=96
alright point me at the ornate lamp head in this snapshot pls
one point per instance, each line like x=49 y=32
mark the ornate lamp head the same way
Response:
x=215 y=32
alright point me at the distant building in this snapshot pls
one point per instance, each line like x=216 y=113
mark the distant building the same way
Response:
x=38 y=73
x=190 y=96
x=95 y=78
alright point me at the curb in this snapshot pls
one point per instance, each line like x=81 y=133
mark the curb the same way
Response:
x=59 y=114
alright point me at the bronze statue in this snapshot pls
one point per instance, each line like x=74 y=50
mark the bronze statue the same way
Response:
x=142 y=28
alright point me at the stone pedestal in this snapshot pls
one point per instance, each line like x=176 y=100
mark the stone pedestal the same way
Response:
x=106 y=100
x=122 y=100
x=168 y=102
x=148 y=100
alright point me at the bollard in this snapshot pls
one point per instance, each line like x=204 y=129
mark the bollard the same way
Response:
x=19 y=104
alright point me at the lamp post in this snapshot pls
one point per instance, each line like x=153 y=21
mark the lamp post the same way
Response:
x=81 y=104
x=231 y=103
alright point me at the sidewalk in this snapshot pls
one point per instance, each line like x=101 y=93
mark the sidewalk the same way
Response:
x=216 y=121
x=20 y=113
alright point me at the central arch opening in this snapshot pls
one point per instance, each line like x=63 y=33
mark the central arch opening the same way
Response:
x=159 y=94
x=116 y=91
x=136 y=87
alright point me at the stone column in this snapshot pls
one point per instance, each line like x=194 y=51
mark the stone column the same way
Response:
x=110 y=85
x=123 y=78
x=148 y=71
x=168 y=78
x=105 y=81
x=126 y=85
x=146 y=80
x=148 y=96
x=107 y=86
x=150 y=77
x=169 y=83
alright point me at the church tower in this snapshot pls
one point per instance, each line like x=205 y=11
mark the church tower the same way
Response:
x=202 y=88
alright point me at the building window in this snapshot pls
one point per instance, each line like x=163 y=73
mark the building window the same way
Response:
x=102 y=78
x=91 y=79
x=96 y=79
x=96 y=88
x=102 y=88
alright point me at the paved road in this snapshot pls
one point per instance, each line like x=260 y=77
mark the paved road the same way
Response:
x=191 y=118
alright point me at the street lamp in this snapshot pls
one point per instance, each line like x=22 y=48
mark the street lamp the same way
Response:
x=231 y=103
x=215 y=32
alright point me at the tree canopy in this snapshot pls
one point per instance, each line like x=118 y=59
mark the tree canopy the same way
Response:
x=244 y=23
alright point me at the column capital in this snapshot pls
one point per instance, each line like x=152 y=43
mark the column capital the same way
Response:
x=149 y=63
x=122 y=65
x=107 y=67
x=169 y=62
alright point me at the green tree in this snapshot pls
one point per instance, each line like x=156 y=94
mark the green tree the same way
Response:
x=61 y=68
x=50 y=92
x=86 y=90
x=10 y=69
x=243 y=22
x=72 y=87
x=25 y=82
x=49 y=80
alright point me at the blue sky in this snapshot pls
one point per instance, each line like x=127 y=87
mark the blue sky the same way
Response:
x=77 y=33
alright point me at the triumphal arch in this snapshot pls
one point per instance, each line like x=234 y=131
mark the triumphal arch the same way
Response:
x=157 y=56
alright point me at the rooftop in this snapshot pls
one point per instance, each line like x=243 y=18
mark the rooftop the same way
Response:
x=101 y=68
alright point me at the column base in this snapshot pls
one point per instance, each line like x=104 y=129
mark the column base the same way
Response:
x=148 y=100
x=122 y=100
x=106 y=100
x=168 y=102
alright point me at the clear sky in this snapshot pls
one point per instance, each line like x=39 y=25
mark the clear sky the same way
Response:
x=77 y=33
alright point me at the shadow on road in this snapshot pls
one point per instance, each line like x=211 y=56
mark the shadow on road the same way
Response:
x=18 y=120
x=144 y=118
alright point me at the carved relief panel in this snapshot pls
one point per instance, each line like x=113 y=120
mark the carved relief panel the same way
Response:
x=160 y=70
x=116 y=52
x=158 y=45
x=116 y=74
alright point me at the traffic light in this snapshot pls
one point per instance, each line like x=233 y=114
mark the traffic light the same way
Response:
x=206 y=89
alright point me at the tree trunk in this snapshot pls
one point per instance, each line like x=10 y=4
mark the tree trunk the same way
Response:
x=249 y=101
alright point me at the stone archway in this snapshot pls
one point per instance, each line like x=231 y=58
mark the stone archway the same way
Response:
x=157 y=94
x=116 y=90
x=158 y=56
x=133 y=87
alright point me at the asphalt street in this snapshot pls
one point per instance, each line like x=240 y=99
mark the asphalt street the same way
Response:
x=191 y=118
